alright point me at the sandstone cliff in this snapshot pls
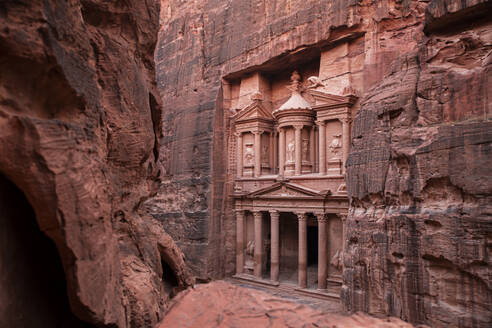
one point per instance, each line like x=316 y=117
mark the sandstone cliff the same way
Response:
x=79 y=131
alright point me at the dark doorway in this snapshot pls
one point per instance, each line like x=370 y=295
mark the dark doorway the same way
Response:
x=312 y=241
x=33 y=286
x=169 y=279
x=288 y=248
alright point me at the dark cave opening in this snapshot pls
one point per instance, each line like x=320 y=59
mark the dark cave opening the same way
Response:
x=169 y=279
x=32 y=286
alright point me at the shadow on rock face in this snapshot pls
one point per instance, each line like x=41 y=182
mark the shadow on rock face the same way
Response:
x=33 y=286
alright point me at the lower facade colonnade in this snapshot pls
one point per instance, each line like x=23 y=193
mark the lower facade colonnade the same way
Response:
x=272 y=251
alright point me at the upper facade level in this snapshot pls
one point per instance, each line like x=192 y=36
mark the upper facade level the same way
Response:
x=306 y=137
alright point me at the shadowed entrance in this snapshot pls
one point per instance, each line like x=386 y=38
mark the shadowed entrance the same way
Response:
x=32 y=285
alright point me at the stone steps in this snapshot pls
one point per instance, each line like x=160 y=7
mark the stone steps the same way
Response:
x=331 y=293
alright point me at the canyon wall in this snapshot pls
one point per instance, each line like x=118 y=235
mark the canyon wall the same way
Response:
x=419 y=226
x=79 y=132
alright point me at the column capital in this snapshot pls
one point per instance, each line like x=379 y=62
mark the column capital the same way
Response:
x=344 y=120
x=257 y=214
x=298 y=126
x=320 y=123
x=239 y=211
x=301 y=216
x=274 y=214
x=342 y=216
x=255 y=132
x=238 y=134
x=321 y=217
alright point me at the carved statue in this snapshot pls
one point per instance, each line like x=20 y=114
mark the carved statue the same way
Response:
x=314 y=82
x=249 y=155
x=264 y=153
x=250 y=251
x=335 y=145
x=305 y=144
x=250 y=248
x=290 y=151
x=336 y=260
x=295 y=85
x=256 y=96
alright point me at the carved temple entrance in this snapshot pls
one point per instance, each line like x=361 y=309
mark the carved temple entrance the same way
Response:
x=286 y=233
x=289 y=192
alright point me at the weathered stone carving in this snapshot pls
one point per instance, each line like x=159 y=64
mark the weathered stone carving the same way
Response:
x=249 y=155
x=290 y=151
x=305 y=149
x=314 y=82
x=264 y=154
x=336 y=260
x=335 y=146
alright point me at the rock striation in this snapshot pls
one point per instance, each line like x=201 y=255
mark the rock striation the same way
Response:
x=418 y=243
x=79 y=132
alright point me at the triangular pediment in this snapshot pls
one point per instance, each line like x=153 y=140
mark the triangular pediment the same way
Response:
x=328 y=99
x=286 y=189
x=255 y=110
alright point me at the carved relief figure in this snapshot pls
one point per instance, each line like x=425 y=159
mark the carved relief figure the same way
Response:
x=314 y=82
x=336 y=260
x=335 y=145
x=250 y=251
x=305 y=147
x=291 y=148
x=264 y=154
x=249 y=155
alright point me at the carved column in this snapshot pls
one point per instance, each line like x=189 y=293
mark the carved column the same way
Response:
x=275 y=152
x=271 y=152
x=239 y=158
x=275 y=250
x=302 y=269
x=322 y=251
x=316 y=149
x=239 y=241
x=257 y=153
x=311 y=148
x=322 y=147
x=281 y=147
x=345 y=140
x=298 y=149
x=258 y=252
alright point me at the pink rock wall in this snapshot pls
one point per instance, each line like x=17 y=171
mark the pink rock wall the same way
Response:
x=79 y=124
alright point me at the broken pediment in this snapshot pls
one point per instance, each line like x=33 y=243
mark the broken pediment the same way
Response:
x=286 y=189
x=323 y=99
x=254 y=111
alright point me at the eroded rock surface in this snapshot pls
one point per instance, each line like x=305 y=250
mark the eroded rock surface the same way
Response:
x=79 y=125
x=220 y=304
x=418 y=242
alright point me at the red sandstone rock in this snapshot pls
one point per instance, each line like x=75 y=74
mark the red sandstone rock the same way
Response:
x=220 y=304
x=79 y=132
